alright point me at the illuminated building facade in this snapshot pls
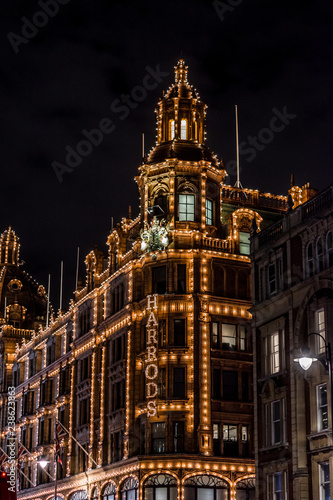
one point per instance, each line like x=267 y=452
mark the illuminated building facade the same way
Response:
x=150 y=369
x=293 y=304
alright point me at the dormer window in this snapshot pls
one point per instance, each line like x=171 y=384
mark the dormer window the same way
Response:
x=171 y=129
x=183 y=129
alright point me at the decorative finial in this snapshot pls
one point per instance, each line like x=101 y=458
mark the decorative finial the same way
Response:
x=181 y=72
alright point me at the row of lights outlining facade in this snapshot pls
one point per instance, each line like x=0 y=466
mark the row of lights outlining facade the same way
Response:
x=150 y=369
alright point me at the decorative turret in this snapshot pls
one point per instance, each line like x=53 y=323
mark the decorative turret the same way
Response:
x=10 y=247
x=181 y=123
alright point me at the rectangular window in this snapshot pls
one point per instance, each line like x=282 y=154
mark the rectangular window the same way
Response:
x=242 y=338
x=181 y=278
x=179 y=387
x=278 y=422
x=216 y=439
x=158 y=437
x=209 y=212
x=159 y=280
x=322 y=408
x=179 y=332
x=245 y=386
x=178 y=437
x=230 y=385
x=230 y=440
x=324 y=481
x=274 y=352
x=277 y=486
x=186 y=207
x=271 y=279
x=245 y=440
x=229 y=336
x=216 y=383
x=162 y=383
x=244 y=243
x=320 y=328
x=215 y=334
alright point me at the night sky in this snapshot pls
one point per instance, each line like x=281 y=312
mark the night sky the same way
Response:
x=69 y=74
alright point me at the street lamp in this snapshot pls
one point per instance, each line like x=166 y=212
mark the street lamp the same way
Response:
x=43 y=463
x=306 y=360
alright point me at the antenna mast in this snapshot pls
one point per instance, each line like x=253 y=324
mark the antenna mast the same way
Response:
x=238 y=182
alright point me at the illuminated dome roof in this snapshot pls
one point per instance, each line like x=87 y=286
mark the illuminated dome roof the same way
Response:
x=181 y=123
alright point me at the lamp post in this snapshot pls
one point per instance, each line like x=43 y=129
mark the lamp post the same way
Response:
x=306 y=360
x=43 y=463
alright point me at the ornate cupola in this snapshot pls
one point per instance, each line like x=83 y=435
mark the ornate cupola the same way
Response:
x=9 y=247
x=181 y=123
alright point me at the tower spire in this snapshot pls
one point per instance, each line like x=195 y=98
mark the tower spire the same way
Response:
x=181 y=72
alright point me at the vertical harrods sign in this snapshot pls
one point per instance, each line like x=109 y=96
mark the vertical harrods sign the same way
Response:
x=151 y=370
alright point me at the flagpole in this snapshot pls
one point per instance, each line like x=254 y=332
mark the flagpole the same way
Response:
x=61 y=283
x=56 y=460
x=48 y=301
x=76 y=441
x=77 y=267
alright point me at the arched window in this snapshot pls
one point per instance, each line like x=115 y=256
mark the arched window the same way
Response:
x=171 y=130
x=206 y=487
x=95 y=495
x=309 y=260
x=183 y=129
x=160 y=487
x=196 y=130
x=329 y=248
x=79 y=495
x=246 y=489
x=129 y=489
x=320 y=254
x=109 y=492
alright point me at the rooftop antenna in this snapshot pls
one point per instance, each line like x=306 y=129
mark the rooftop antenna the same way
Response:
x=48 y=301
x=77 y=267
x=61 y=282
x=143 y=145
x=238 y=182
x=111 y=224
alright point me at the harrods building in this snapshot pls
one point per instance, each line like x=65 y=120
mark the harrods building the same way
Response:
x=151 y=367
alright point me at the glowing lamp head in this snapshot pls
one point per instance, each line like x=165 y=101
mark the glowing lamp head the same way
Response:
x=43 y=462
x=305 y=359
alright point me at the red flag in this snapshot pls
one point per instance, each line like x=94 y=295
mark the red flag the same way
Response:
x=60 y=433
x=3 y=459
x=21 y=452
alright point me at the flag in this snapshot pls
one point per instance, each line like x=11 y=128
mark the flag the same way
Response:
x=22 y=451
x=60 y=433
x=3 y=459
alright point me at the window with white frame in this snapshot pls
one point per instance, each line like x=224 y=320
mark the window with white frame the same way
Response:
x=320 y=328
x=275 y=422
x=329 y=249
x=183 y=129
x=322 y=408
x=276 y=485
x=186 y=207
x=209 y=212
x=244 y=243
x=324 y=481
x=272 y=353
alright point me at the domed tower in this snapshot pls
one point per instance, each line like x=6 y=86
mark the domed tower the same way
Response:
x=181 y=178
x=23 y=304
x=10 y=247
